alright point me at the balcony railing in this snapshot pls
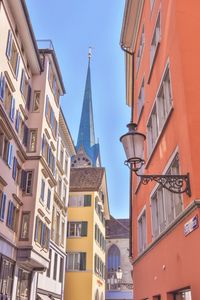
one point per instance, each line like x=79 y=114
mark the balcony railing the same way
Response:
x=45 y=44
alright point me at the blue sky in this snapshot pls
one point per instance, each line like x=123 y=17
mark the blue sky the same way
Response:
x=73 y=26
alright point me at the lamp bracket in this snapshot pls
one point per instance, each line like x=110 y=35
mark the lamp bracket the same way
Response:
x=177 y=184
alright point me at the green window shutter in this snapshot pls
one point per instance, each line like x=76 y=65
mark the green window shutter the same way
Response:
x=87 y=200
x=82 y=261
x=84 y=229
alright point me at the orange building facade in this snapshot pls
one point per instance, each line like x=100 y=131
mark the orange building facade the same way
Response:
x=160 y=40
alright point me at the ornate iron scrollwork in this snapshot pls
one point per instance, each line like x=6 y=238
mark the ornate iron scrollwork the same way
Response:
x=174 y=183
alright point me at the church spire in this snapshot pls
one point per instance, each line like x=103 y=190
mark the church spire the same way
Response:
x=87 y=150
x=86 y=136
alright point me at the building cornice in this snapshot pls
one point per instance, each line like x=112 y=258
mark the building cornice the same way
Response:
x=130 y=25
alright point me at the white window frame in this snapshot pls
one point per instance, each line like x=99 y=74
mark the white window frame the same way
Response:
x=155 y=107
x=140 y=49
x=166 y=195
x=141 y=99
x=142 y=238
x=77 y=228
x=155 y=41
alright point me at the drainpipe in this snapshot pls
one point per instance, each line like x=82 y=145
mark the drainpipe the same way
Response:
x=130 y=184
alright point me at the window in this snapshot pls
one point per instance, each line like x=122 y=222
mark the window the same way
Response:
x=164 y=100
x=47 y=152
x=49 y=199
x=183 y=294
x=151 y=4
x=6 y=277
x=42 y=190
x=6 y=149
x=99 y=237
x=26 y=183
x=142 y=232
x=61 y=270
x=42 y=233
x=99 y=266
x=81 y=200
x=76 y=261
x=57 y=237
x=64 y=193
x=63 y=233
x=32 y=140
x=60 y=187
x=36 y=101
x=25 y=89
x=49 y=268
x=12 y=54
x=160 y=112
x=61 y=156
x=77 y=229
x=16 y=171
x=155 y=41
x=12 y=216
x=66 y=167
x=53 y=83
x=140 y=49
x=152 y=130
x=50 y=117
x=140 y=102
x=2 y=205
x=113 y=259
x=25 y=220
x=55 y=266
x=23 y=284
x=29 y=182
x=165 y=206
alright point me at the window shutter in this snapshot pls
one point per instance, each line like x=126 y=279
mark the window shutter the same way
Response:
x=22 y=82
x=17 y=66
x=12 y=109
x=2 y=206
x=10 y=214
x=2 y=87
x=10 y=157
x=48 y=237
x=23 y=180
x=95 y=231
x=36 y=229
x=25 y=138
x=47 y=106
x=14 y=172
x=9 y=45
x=42 y=190
x=17 y=120
x=28 y=100
x=84 y=228
x=82 y=261
x=43 y=235
x=87 y=200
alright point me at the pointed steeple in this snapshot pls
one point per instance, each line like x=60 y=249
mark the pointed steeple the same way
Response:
x=86 y=136
x=87 y=150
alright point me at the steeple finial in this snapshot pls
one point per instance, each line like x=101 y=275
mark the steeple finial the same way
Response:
x=89 y=53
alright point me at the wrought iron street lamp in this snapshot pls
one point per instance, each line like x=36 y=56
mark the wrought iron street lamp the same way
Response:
x=133 y=143
x=119 y=276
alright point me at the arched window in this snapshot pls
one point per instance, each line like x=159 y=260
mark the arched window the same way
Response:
x=97 y=295
x=113 y=258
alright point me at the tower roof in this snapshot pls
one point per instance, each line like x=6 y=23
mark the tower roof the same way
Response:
x=86 y=136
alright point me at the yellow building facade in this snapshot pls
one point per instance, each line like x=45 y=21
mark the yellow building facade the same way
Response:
x=88 y=209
